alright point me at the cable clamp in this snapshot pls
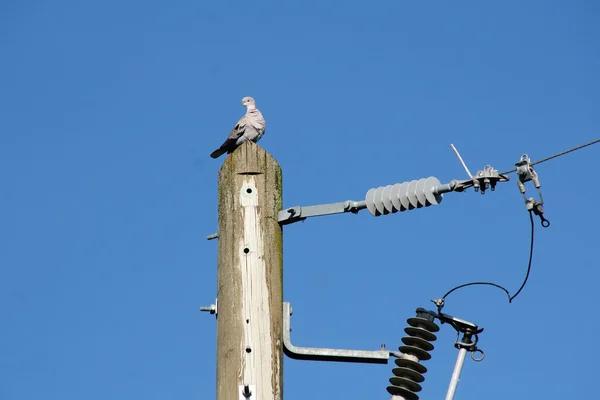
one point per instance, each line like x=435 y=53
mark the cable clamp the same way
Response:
x=526 y=173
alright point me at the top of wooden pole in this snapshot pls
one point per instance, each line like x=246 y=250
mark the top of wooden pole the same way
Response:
x=249 y=159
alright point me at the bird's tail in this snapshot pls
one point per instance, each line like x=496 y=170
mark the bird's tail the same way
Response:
x=228 y=146
x=218 y=152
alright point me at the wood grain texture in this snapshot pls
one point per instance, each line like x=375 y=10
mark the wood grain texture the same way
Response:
x=250 y=274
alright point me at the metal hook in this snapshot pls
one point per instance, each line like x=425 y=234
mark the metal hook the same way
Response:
x=475 y=358
x=536 y=207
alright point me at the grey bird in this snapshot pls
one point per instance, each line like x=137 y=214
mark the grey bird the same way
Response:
x=251 y=127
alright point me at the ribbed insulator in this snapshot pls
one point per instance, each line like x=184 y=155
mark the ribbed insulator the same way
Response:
x=417 y=345
x=403 y=196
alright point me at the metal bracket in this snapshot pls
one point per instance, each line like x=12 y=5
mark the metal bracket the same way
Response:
x=295 y=214
x=324 y=354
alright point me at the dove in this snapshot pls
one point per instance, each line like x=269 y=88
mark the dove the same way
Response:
x=250 y=127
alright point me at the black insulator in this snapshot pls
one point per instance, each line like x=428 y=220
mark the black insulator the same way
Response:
x=400 y=391
x=417 y=345
x=414 y=365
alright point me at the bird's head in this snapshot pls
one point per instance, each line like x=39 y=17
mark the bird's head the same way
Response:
x=248 y=102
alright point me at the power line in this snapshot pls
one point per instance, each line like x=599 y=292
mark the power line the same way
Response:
x=510 y=298
x=556 y=155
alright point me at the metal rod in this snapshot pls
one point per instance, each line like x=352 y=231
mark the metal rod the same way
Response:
x=213 y=236
x=444 y=188
x=456 y=374
x=358 y=205
x=461 y=161
x=295 y=214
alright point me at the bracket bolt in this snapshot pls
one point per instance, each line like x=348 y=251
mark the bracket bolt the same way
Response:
x=212 y=309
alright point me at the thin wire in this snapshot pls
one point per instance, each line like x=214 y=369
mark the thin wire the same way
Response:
x=510 y=298
x=556 y=155
x=530 y=258
x=461 y=161
x=478 y=283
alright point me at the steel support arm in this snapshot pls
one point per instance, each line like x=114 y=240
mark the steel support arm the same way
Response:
x=295 y=214
x=323 y=354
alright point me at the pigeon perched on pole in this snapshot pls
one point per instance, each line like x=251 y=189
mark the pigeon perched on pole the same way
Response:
x=250 y=127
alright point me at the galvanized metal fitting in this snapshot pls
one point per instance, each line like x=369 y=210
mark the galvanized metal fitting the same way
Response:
x=526 y=173
x=211 y=309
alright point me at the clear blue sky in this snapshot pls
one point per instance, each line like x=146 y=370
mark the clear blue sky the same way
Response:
x=108 y=112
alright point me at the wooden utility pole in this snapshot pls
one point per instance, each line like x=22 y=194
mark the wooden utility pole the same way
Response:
x=250 y=274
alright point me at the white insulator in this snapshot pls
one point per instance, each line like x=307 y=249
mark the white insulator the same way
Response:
x=403 y=196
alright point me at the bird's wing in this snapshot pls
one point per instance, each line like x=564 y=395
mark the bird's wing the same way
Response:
x=239 y=129
x=231 y=143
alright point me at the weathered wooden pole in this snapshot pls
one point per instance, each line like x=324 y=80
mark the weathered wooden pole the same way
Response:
x=250 y=273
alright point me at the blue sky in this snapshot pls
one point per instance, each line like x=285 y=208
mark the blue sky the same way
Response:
x=108 y=112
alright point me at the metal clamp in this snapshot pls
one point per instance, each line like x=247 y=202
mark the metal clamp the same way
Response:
x=526 y=173
x=485 y=179
x=488 y=177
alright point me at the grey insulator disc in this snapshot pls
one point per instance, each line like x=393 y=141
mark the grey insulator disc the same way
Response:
x=395 y=195
x=387 y=200
x=403 y=197
x=378 y=202
x=410 y=193
x=430 y=183
x=420 y=192
x=369 y=199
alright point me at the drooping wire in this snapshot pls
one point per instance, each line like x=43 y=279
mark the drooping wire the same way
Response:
x=510 y=298
x=530 y=258
x=477 y=283
x=556 y=155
